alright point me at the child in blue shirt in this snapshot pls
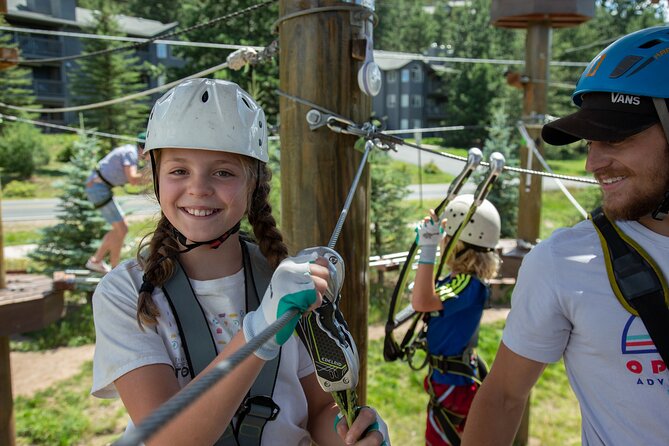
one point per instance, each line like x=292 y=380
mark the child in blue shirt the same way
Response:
x=455 y=305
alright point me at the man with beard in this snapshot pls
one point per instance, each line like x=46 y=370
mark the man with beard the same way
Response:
x=563 y=305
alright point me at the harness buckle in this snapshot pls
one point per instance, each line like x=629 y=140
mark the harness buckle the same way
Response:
x=259 y=406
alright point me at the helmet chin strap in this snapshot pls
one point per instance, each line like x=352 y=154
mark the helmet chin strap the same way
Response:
x=662 y=209
x=213 y=243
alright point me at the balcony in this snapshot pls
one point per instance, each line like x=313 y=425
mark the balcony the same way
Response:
x=48 y=89
x=32 y=47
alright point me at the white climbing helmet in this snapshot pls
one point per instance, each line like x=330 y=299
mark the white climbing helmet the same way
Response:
x=209 y=114
x=483 y=228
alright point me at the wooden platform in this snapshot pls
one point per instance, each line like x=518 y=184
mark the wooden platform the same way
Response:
x=29 y=303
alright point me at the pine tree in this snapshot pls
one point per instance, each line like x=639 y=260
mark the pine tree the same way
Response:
x=15 y=82
x=504 y=194
x=70 y=243
x=21 y=147
x=109 y=76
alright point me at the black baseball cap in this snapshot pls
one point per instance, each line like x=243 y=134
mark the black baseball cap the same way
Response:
x=604 y=116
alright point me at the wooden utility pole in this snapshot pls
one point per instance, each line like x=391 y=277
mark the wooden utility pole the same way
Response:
x=318 y=167
x=537 y=58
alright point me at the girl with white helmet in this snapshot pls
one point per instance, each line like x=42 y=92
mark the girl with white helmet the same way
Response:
x=188 y=300
x=455 y=306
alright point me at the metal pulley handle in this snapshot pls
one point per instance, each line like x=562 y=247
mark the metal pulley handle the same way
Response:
x=495 y=168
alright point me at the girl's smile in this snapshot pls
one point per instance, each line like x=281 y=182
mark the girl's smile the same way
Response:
x=203 y=193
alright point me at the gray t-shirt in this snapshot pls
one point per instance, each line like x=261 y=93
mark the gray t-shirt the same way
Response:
x=563 y=305
x=112 y=166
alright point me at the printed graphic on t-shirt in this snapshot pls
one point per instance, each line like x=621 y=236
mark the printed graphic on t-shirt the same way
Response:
x=226 y=325
x=636 y=341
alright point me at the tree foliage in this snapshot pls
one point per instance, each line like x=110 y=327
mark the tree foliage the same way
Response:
x=109 y=76
x=252 y=29
x=504 y=194
x=69 y=243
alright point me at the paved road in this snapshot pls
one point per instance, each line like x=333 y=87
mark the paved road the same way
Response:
x=47 y=209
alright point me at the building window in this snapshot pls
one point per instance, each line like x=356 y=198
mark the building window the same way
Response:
x=391 y=77
x=161 y=51
x=405 y=101
x=417 y=123
x=416 y=101
x=405 y=76
x=404 y=123
x=416 y=75
x=391 y=101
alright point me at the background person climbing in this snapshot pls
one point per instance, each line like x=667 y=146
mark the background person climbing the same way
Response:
x=118 y=167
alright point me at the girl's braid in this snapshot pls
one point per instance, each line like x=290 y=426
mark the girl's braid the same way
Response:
x=260 y=216
x=156 y=257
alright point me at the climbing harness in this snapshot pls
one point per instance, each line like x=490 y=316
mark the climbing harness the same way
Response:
x=391 y=349
x=637 y=281
x=258 y=407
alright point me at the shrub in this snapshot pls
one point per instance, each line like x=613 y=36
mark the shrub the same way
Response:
x=21 y=150
x=19 y=189
x=431 y=168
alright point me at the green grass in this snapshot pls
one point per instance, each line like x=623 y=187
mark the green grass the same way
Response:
x=397 y=392
x=65 y=414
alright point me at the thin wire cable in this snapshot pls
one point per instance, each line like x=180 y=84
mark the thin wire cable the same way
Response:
x=416 y=56
x=128 y=39
x=137 y=45
x=533 y=148
x=69 y=129
x=435 y=152
x=163 y=414
x=129 y=97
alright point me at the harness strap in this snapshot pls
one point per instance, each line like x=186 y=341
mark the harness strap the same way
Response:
x=104 y=180
x=446 y=419
x=454 y=365
x=636 y=280
x=258 y=408
x=103 y=202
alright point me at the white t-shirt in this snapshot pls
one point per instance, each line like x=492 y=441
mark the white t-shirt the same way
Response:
x=563 y=305
x=121 y=346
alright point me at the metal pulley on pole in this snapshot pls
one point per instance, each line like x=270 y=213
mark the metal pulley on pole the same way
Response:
x=323 y=48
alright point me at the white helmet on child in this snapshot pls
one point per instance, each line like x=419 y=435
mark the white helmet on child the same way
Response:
x=209 y=114
x=484 y=227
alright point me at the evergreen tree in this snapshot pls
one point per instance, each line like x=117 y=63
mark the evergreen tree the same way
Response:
x=504 y=194
x=70 y=243
x=21 y=147
x=16 y=81
x=387 y=213
x=108 y=76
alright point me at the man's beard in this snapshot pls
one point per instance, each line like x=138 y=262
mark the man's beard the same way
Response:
x=647 y=199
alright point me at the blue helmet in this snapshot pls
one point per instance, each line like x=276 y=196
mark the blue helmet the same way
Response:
x=636 y=64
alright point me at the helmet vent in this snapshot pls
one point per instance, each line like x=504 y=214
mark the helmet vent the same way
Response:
x=205 y=96
x=650 y=44
x=624 y=65
x=247 y=103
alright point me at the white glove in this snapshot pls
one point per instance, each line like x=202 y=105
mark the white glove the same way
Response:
x=291 y=288
x=428 y=235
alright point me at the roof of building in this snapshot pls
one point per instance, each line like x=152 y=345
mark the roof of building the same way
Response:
x=84 y=18
x=389 y=60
